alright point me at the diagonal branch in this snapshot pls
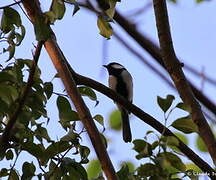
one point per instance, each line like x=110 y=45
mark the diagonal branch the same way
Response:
x=12 y=120
x=173 y=67
x=34 y=12
x=146 y=118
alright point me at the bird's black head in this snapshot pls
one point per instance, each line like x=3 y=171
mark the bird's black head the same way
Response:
x=114 y=68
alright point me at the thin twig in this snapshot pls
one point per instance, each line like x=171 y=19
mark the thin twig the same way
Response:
x=22 y=10
x=9 y=5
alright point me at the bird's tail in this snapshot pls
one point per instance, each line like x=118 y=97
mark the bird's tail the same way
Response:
x=127 y=137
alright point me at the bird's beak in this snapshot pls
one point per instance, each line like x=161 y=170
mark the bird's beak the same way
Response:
x=105 y=66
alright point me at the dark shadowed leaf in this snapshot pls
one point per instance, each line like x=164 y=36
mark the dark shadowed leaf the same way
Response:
x=123 y=172
x=28 y=170
x=10 y=17
x=148 y=169
x=48 y=89
x=13 y=175
x=165 y=103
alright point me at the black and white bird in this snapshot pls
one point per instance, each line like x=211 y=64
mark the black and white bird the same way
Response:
x=121 y=81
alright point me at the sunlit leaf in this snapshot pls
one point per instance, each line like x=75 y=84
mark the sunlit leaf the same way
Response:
x=104 y=27
x=115 y=120
x=93 y=169
x=58 y=8
x=200 y=144
x=99 y=119
x=185 y=124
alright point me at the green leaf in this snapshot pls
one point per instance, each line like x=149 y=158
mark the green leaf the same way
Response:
x=115 y=120
x=172 y=141
x=10 y=17
x=76 y=170
x=56 y=148
x=13 y=175
x=66 y=114
x=86 y=91
x=9 y=155
x=8 y=93
x=42 y=30
x=48 y=89
x=184 y=107
x=148 y=169
x=185 y=124
x=103 y=138
x=93 y=169
x=42 y=133
x=123 y=172
x=84 y=153
x=3 y=172
x=182 y=137
x=130 y=165
x=28 y=170
x=200 y=144
x=173 y=160
x=104 y=27
x=99 y=119
x=6 y=77
x=11 y=50
x=165 y=103
x=58 y=8
x=34 y=149
x=20 y=37
x=111 y=11
x=143 y=148
x=174 y=1
x=193 y=167
x=199 y=1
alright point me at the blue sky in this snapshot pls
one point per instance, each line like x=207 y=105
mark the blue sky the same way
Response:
x=193 y=30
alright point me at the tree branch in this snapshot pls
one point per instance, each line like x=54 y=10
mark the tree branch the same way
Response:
x=173 y=67
x=146 y=118
x=6 y=134
x=59 y=61
x=154 y=51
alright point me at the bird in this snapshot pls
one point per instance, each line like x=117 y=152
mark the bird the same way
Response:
x=120 y=80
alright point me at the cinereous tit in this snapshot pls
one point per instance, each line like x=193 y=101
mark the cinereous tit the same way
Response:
x=120 y=81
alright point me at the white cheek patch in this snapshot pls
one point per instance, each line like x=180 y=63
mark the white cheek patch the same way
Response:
x=117 y=66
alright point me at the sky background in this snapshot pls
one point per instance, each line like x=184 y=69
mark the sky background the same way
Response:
x=193 y=28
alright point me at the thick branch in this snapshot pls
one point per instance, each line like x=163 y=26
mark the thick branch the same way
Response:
x=145 y=118
x=57 y=57
x=12 y=120
x=173 y=67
